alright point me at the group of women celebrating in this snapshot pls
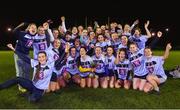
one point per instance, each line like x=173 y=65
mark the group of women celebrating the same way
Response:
x=103 y=56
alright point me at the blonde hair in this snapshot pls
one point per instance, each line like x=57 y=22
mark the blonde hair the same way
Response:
x=30 y=26
x=40 y=27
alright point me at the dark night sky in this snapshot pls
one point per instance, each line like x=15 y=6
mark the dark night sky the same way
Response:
x=161 y=16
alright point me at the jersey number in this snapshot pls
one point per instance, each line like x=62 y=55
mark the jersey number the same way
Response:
x=136 y=63
x=150 y=69
x=41 y=75
x=42 y=46
x=29 y=43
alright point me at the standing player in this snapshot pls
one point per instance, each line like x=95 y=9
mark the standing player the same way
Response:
x=23 y=45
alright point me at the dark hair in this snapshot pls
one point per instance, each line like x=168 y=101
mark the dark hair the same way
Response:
x=112 y=49
x=68 y=33
x=77 y=38
x=122 y=49
x=78 y=60
x=36 y=77
x=148 y=47
x=137 y=28
x=43 y=52
x=125 y=51
x=91 y=32
x=128 y=41
x=97 y=47
x=133 y=43
x=39 y=66
x=71 y=49
x=55 y=29
x=99 y=35
x=83 y=48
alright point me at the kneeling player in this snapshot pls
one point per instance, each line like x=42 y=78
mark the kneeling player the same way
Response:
x=122 y=70
x=71 y=71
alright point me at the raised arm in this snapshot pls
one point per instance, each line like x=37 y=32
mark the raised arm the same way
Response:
x=19 y=26
x=96 y=25
x=63 y=24
x=11 y=47
x=49 y=36
x=63 y=58
x=46 y=27
x=147 y=30
x=59 y=63
x=134 y=24
x=168 y=48
x=16 y=30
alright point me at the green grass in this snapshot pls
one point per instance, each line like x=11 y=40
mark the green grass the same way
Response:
x=75 y=97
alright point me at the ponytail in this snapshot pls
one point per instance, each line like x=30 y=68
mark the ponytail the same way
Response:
x=37 y=73
x=78 y=60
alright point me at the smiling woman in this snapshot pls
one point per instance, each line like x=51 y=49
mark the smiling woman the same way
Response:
x=41 y=76
x=85 y=66
x=165 y=24
x=86 y=98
